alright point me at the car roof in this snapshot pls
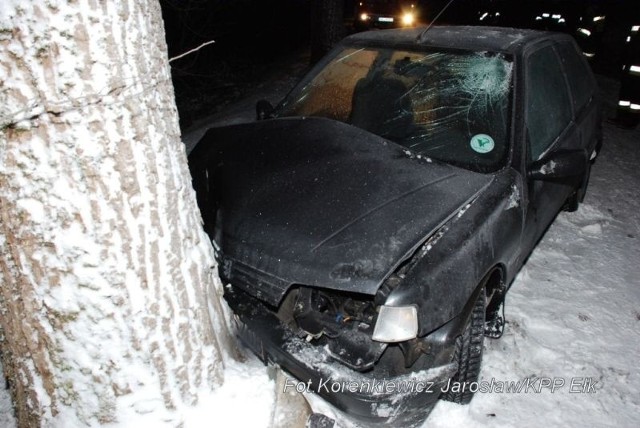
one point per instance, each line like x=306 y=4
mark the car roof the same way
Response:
x=492 y=39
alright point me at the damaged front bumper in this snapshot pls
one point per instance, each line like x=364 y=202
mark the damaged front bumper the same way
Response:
x=364 y=397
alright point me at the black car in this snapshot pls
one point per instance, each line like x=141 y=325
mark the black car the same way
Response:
x=368 y=229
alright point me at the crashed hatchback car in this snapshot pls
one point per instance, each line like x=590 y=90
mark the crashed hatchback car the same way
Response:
x=369 y=226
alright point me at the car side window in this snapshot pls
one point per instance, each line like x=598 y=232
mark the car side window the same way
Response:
x=548 y=108
x=581 y=80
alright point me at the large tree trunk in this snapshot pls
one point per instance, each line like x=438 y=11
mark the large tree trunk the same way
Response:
x=109 y=308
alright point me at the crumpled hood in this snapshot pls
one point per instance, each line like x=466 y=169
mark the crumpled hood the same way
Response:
x=317 y=202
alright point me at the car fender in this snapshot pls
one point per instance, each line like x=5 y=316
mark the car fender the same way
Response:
x=487 y=235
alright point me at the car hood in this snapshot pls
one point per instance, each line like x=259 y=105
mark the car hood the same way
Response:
x=316 y=202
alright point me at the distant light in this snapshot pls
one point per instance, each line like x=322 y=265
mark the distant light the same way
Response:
x=624 y=103
x=635 y=106
x=497 y=13
x=364 y=17
x=412 y=6
x=408 y=18
x=484 y=15
x=555 y=16
x=545 y=15
x=588 y=54
x=598 y=18
x=538 y=18
x=635 y=69
x=584 y=31
x=628 y=39
x=360 y=3
x=561 y=20
x=635 y=28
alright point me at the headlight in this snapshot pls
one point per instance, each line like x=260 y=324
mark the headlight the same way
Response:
x=408 y=18
x=396 y=324
x=364 y=17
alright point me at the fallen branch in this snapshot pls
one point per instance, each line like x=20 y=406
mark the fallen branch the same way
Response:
x=192 y=50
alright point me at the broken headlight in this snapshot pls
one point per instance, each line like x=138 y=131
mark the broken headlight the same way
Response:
x=319 y=312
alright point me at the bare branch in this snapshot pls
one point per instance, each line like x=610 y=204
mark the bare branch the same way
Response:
x=192 y=50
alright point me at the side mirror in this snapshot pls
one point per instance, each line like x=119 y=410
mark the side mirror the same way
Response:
x=264 y=110
x=563 y=166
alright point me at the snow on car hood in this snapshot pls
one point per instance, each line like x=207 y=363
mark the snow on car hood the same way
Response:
x=317 y=202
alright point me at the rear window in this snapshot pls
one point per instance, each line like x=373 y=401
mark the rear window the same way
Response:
x=452 y=106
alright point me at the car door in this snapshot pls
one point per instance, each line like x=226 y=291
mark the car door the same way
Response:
x=549 y=127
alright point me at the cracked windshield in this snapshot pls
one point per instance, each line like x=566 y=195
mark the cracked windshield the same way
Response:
x=452 y=106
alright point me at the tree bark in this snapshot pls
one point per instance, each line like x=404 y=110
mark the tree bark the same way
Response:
x=327 y=26
x=109 y=307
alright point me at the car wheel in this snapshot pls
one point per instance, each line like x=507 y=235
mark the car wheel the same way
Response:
x=468 y=355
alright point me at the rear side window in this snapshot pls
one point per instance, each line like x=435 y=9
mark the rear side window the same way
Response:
x=548 y=110
x=579 y=75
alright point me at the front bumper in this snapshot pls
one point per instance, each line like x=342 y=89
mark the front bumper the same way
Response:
x=399 y=401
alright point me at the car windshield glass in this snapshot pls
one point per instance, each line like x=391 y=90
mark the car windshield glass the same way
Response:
x=449 y=105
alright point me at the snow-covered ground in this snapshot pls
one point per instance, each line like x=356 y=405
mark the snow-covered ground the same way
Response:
x=573 y=316
x=6 y=411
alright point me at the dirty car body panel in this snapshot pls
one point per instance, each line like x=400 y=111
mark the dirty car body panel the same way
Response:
x=402 y=175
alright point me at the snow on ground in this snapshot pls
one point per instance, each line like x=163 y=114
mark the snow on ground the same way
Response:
x=6 y=411
x=244 y=400
x=573 y=316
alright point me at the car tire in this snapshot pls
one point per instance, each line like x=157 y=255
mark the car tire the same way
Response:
x=468 y=354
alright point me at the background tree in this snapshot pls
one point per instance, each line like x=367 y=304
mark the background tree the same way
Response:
x=327 y=26
x=108 y=305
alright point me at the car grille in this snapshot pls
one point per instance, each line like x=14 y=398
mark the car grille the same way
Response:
x=258 y=284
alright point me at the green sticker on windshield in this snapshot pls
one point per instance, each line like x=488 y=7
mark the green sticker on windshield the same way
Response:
x=482 y=143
